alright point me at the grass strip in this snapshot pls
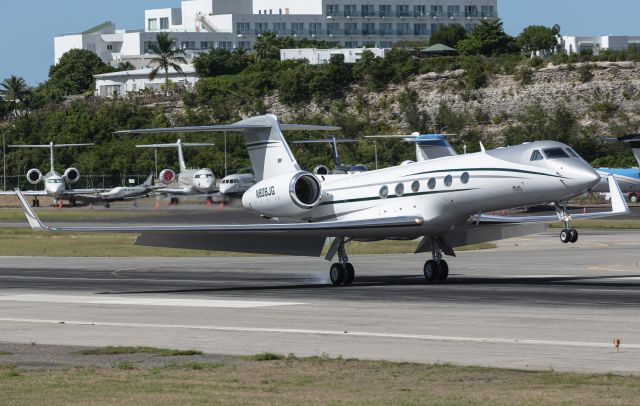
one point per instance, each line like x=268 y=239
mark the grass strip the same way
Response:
x=311 y=381
x=118 y=350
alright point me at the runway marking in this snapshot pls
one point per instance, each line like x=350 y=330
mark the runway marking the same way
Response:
x=141 y=301
x=360 y=334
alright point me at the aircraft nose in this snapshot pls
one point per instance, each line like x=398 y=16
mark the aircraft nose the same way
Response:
x=587 y=177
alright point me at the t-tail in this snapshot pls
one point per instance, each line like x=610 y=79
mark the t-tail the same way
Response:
x=52 y=148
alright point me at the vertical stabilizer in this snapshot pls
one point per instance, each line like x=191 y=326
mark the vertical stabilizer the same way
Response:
x=52 y=156
x=183 y=166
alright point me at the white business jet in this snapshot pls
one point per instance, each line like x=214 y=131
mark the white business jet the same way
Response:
x=439 y=200
x=236 y=184
x=190 y=181
x=54 y=183
x=339 y=168
x=122 y=193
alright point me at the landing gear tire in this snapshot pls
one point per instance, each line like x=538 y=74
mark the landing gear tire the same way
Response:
x=107 y=205
x=337 y=274
x=444 y=271
x=431 y=271
x=565 y=236
x=349 y=274
x=573 y=235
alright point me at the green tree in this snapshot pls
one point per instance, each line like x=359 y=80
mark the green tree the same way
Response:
x=538 y=38
x=74 y=72
x=448 y=35
x=221 y=62
x=14 y=89
x=166 y=56
x=124 y=66
x=487 y=38
x=268 y=46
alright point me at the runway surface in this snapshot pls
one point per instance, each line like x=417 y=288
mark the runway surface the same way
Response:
x=531 y=303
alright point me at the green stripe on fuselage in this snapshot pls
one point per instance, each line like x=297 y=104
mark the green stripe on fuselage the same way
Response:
x=364 y=199
x=487 y=170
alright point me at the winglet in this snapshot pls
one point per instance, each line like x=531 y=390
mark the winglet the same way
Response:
x=482 y=147
x=618 y=202
x=32 y=218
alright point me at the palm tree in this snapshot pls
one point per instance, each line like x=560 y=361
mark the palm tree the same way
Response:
x=267 y=46
x=124 y=66
x=14 y=89
x=166 y=57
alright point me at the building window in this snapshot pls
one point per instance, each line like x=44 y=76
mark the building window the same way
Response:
x=454 y=11
x=435 y=27
x=315 y=28
x=421 y=29
x=368 y=29
x=261 y=27
x=386 y=29
x=206 y=45
x=385 y=44
x=297 y=28
x=244 y=45
x=242 y=28
x=332 y=10
x=350 y=10
x=228 y=45
x=402 y=10
x=471 y=11
x=164 y=23
x=109 y=47
x=487 y=11
x=280 y=28
x=420 y=11
x=437 y=11
x=368 y=10
x=403 y=28
x=333 y=28
x=385 y=10
x=188 y=45
x=351 y=44
x=152 y=24
x=351 y=29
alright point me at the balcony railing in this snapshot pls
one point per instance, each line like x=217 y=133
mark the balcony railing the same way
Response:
x=414 y=14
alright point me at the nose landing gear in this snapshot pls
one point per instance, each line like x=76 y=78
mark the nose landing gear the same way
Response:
x=568 y=234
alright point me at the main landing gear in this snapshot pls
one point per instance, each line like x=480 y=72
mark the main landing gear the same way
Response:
x=436 y=269
x=568 y=234
x=342 y=272
x=35 y=202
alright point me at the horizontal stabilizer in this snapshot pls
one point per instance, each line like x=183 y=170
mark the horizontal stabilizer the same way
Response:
x=50 y=145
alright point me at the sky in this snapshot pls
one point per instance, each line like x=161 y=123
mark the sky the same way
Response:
x=27 y=27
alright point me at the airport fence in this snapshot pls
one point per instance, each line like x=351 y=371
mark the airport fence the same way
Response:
x=85 y=182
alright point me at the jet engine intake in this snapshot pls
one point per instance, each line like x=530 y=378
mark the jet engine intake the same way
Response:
x=167 y=176
x=284 y=195
x=34 y=176
x=321 y=170
x=72 y=175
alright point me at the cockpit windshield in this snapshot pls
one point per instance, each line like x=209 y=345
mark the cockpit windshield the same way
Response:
x=54 y=180
x=572 y=152
x=555 y=153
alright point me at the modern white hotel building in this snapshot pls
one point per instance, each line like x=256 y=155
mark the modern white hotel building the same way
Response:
x=200 y=25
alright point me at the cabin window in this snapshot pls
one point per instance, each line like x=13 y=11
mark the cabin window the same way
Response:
x=399 y=189
x=448 y=180
x=432 y=183
x=384 y=192
x=464 y=178
x=415 y=186
x=554 y=153
x=536 y=156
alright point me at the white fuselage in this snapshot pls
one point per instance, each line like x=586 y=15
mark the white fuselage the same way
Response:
x=54 y=184
x=197 y=181
x=236 y=184
x=445 y=192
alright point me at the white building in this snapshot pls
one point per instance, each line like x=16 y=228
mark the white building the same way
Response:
x=575 y=45
x=322 y=56
x=200 y=25
x=121 y=83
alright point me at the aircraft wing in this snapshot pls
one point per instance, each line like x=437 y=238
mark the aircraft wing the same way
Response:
x=26 y=193
x=76 y=192
x=618 y=207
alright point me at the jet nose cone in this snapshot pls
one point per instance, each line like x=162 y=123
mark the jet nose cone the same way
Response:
x=587 y=177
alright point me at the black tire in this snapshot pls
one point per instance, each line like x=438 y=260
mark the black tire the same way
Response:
x=444 y=271
x=565 y=236
x=349 y=274
x=573 y=236
x=336 y=274
x=431 y=270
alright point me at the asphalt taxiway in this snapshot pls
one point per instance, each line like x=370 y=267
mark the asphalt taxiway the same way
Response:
x=531 y=303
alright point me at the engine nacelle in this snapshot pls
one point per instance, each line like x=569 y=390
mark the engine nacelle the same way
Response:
x=284 y=195
x=167 y=176
x=407 y=163
x=34 y=176
x=72 y=175
x=321 y=170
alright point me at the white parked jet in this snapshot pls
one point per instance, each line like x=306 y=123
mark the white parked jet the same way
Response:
x=190 y=181
x=236 y=184
x=123 y=193
x=439 y=200
x=54 y=183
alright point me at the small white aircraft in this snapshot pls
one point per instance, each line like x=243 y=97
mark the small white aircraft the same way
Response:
x=54 y=183
x=236 y=184
x=123 y=193
x=190 y=181
x=339 y=167
x=440 y=201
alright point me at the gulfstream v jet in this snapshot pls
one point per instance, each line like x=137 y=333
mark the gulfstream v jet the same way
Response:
x=439 y=201
x=55 y=185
